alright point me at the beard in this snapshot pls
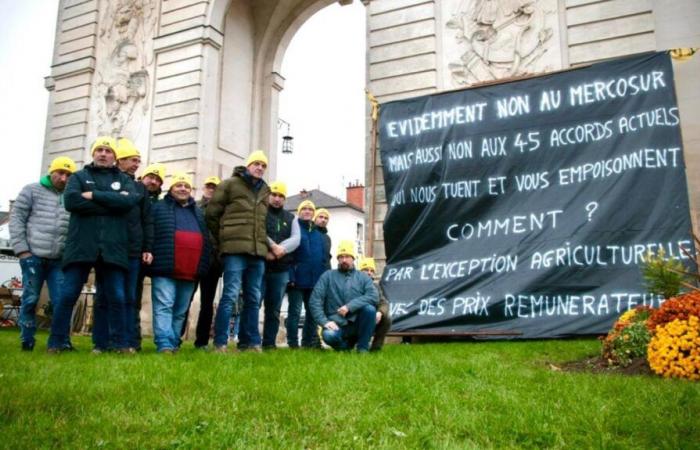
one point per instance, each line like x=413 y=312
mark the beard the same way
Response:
x=345 y=266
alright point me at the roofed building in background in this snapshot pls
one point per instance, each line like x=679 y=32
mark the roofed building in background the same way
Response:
x=347 y=219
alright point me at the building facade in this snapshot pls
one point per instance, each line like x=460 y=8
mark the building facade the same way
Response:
x=195 y=83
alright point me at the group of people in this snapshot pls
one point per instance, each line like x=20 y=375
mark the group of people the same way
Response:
x=104 y=218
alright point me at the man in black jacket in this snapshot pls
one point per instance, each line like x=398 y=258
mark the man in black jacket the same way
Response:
x=321 y=219
x=98 y=197
x=210 y=280
x=128 y=161
x=152 y=181
x=283 y=238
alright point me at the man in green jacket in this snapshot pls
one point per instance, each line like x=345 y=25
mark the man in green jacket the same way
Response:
x=236 y=217
x=98 y=197
x=344 y=302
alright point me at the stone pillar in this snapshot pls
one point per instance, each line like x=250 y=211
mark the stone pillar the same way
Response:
x=184 y=135
x=70 y=81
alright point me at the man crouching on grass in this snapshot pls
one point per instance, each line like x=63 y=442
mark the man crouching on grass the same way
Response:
x=344 y=302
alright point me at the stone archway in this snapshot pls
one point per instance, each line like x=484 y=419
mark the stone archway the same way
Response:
x=277 y=23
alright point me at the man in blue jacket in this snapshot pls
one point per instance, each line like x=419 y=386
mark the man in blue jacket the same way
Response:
x=344 y=302
x=128 y=161
x=307 y=268
x=98 y=197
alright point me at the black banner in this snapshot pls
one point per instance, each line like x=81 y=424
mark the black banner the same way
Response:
x=525 y=208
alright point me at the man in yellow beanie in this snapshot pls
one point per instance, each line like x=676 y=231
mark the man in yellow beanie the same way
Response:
x=208 y=189
x=181 y=256
x=99 y=198
x=344 y=302
x=309 y=264
x=152 y=181
x=38 y=228
x=236 y=217
x=321 y=219
x=383 y=322
x=283 y=238
x=128 y=157
x=210 y=280
x=153 y=178
x=139 y=219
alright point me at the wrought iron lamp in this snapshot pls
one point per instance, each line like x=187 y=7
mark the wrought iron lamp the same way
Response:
x=287 y=139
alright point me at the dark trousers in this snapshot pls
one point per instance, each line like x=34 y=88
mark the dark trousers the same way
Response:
x=207 y=286
x=109 y=278
x=102 y=337
x=309 y=337
x=380 y=332
x=136 y=326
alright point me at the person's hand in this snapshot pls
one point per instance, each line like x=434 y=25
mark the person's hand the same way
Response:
x=24 y=255
x=270 y=256
x=343 y=310
x=331 y=326
x=87 y=195
x=379 y=317
x=278 y=250
x=147 y=258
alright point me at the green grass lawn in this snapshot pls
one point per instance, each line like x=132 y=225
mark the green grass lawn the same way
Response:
x=457 y=395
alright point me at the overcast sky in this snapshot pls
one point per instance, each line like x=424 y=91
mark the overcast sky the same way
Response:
x=324 y=100
x=323 y=97
x=26 y=48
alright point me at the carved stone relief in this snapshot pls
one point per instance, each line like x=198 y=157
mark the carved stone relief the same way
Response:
x=124 y=67
x=487 y=40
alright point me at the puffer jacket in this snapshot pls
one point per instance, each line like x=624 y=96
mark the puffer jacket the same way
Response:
x=39 y=222
x=163 y=229
x=236 y=215
x=309 y=257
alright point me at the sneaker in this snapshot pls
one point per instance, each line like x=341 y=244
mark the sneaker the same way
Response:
x=220 y=349
x=167 y=351
x=27 y=346
x=98 y=351
x=254 y=349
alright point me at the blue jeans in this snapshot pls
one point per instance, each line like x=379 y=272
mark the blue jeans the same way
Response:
x=36 y=271
x=359 y=331
x=274 y=286
x=309 y=338
x=170 y=299
x=101 y=336
x=110 y=279
x=240 y=271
